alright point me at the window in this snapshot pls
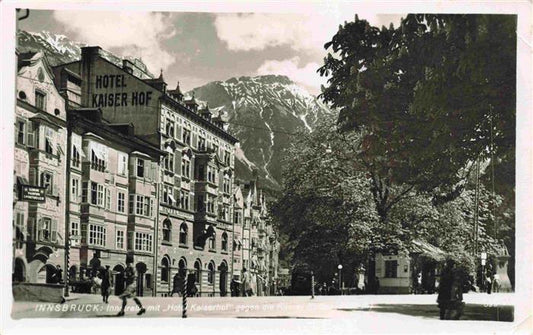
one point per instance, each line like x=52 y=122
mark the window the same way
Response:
x=47 y=230
x=197 y=271
x=143 y=205
x=21 y=132
x=211 y=273
x=186 y=136
x=237 y=216
x=183 y=233
x=100 y=195
x=140 y=204
x=75 y=157
x=121 y=202
x=167 y=232
x=224 y=242
x=184 y=199
x=120 y=239
x=97 y=161
x=167 y=197
x=122 y=164
x=46 y=181
x=75 y=189
x=212 y=242
x=165 y=270
x=97 y=235
x=391 y=269
x=170 y=128
x=169 y=162
x=143 y=242
x=19 y=224
x=131 y=204
x=94 y=193
x=211 y=174
x=140 y=168
x=210 y=204
x=227 y=157
x=40 y=98
x=186 y=166
x=226 y=184
x=74 y=232
x=201 y=143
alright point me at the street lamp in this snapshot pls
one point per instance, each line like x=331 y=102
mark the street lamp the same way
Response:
x=340 y=277
x=483 y=262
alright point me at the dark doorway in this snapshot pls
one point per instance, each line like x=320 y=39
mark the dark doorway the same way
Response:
x=223 y=279
x=141 y=270
x=20 y=271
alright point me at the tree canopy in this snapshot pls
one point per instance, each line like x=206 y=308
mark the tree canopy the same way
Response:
x=431 y=96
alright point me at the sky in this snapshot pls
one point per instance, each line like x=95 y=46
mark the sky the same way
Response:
x=195 y=48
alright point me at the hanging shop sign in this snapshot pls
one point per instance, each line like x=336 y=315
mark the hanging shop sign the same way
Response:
x=32 y=193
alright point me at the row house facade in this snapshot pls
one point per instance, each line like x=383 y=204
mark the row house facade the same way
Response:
x=150 y=178
x=39 y=172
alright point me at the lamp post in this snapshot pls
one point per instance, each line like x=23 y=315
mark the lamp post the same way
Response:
x=483 y=262
x=340 y=277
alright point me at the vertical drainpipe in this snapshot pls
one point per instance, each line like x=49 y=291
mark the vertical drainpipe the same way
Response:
x=66 y=274
x=157 y=190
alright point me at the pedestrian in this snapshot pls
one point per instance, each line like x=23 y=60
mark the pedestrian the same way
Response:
x=58 y=275
x=489 y=284
x=94 y=263
x=496 y=283
x=246 y=287
x=130 y=290
x=107 y=278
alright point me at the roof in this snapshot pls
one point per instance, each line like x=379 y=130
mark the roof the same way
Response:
x=427 y=249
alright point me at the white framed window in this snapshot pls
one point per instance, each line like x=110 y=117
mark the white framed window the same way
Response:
x=186 y=136
x=139 y=205
x=76 y=157
x=47 y=230
x=143 y=241
x=100 y=199
x=186 y=166
x=168 y=162
x=211 y=174
x=40 y=100
x=84 y=191
x=75 y=189
x=74 y=231
x=226 y=184
x=120 y=238
x=47 y=181
x=140 y=168
x=122 y=164
x=184 y=199
x=169 y=129
x=210 y=204
x=121 y=202
x=97 y=235
x=143 y=205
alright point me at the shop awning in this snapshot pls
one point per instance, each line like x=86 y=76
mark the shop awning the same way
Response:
x=427 y=249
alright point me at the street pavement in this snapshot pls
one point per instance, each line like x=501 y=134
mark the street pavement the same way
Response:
x=363 y=313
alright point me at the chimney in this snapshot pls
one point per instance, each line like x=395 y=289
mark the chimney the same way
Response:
x=127 y=66
x=88 y=52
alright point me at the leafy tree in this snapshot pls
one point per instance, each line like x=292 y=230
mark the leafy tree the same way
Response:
x=430 y=97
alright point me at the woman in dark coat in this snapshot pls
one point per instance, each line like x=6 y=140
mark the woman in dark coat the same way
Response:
x=107 y=276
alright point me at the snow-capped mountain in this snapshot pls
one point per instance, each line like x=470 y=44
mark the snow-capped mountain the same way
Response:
x=264 y=113
x=60 y=49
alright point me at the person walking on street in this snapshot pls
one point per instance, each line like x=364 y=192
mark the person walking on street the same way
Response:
x=130 y=290
x=107 y=277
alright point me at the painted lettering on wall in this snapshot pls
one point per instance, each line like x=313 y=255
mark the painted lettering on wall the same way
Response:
x=117 y=99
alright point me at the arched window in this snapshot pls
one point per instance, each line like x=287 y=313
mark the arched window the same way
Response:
x=165 y=269
x=224 y=242
x=167 y=230
x=211 y=273
x=212 y=242
x=198 y=271
x=182 y=267
x=183 y=233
